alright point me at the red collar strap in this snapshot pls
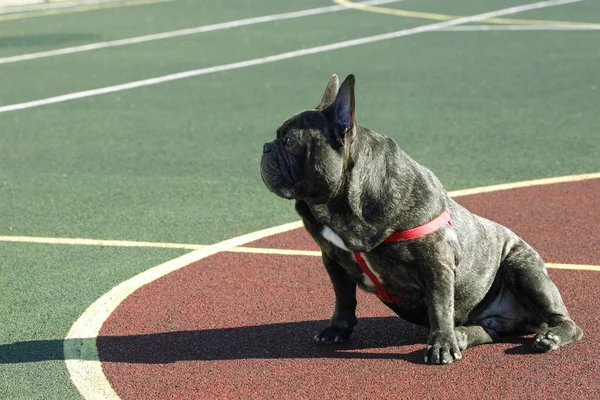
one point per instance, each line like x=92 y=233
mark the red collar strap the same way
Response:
x=409 y=234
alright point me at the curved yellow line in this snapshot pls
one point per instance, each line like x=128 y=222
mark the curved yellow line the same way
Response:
x=446 y=17
x=394 y=11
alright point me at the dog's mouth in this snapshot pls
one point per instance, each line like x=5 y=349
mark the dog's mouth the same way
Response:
x=276 y=174
x=273 y=182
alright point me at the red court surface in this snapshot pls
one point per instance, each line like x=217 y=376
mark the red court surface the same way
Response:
x=238 y=325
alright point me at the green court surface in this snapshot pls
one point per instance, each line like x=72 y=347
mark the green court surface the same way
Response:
x=177 y=162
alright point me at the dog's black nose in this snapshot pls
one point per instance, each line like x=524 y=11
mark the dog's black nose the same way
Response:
x=268 y=147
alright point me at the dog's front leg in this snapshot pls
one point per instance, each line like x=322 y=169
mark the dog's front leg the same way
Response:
x=442 y=345
x=342 y=323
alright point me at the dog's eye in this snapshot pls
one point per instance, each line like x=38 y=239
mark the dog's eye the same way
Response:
x=289 y=142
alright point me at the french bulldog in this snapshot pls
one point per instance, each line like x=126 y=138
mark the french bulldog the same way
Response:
x=470 y=280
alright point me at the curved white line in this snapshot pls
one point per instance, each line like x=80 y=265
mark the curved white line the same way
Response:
x=81 y=354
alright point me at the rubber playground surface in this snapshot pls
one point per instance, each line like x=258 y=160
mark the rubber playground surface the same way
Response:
x=142 y=257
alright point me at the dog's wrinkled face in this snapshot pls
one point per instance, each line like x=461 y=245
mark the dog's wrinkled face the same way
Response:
x=306 y=159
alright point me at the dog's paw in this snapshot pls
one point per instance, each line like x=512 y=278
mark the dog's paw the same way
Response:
x=444 y=350
x=333 y=334
x=545 y=341
x=553 y=337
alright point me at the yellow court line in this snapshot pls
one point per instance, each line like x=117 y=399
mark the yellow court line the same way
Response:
x=91 y=7
x=289 y=252
x=574 y=266
x=297 y=224
x=283 y=252
x=79 y=346
x=522 y=184
x=98 y=242
x=80 y=351
x=160 y=245
x=237 y=249
x=446 y=17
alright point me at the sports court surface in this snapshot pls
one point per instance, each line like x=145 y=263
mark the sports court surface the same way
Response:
x=141 y=256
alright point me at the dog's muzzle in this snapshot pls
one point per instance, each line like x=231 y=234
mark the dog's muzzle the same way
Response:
x=272 y=173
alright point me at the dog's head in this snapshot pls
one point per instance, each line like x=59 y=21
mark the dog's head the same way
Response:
x=306 y=160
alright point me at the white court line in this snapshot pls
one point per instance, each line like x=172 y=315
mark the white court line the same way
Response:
x=283 y=56
x=53 y=6
x=185 y=32
x=14 y=16
x=81 y=353
x=491 y=28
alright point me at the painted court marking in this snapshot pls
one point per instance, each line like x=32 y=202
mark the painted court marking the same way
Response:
x=342 y=6
x=160 y=245
x=90 y=7
x=98 y=242
x=516 y=28
x=81 y=353
x=284 y=56
x=237 y=249
x=185 y=32
x=516 y=185
x=43 y=5
x=298 y=224
x=446 y=17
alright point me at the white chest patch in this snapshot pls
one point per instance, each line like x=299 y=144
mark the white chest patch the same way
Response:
x=331 y=236
x=337 y=241
x=451 y=234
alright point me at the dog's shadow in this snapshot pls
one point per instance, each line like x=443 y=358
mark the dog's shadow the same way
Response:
x=373 y=338
x=282 y=340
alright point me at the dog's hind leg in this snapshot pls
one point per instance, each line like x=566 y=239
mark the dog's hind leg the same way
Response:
x=473 y=335
x=527 y=278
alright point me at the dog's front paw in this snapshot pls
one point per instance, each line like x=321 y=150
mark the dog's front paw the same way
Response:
x=333 y=334
x=442 y=349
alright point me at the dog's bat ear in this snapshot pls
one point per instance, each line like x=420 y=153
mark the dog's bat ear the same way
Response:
x=330 y=92
x=341 y=111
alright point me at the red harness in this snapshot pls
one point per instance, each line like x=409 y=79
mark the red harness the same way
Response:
x=409 y=234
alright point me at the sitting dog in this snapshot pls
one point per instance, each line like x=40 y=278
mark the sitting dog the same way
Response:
x=385 y=223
